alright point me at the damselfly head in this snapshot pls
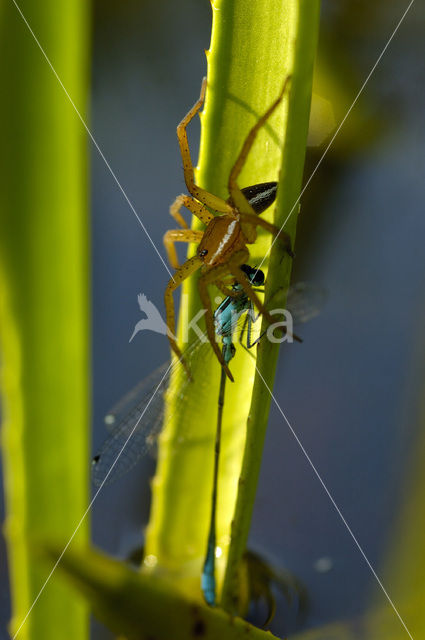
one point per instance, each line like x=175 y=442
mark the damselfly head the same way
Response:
x=254 y=275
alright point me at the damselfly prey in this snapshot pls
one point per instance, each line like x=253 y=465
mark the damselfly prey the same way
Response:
x=224 y=315
x=141 y=411
x=138 y=418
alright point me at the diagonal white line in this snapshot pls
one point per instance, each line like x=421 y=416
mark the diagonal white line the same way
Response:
x=157 y=388
x=334 y=504
x=339 y=127
x=259 y=373
x=92 y=137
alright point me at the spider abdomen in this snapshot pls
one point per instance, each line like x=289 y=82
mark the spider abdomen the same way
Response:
x=222 y=238
x=260 y=196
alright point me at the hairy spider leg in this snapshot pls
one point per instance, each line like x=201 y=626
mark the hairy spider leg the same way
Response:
x=185 y=234
x=180 y=275
x=283 y=237
x=210 y=277
x=249 y=320
x=179 y=235
x=236 y=194
x=226 y=291
x=209 y=199
x=194 y=207
x=241 y=278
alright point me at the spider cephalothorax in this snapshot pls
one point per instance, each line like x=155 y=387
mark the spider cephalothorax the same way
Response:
x=222 y=247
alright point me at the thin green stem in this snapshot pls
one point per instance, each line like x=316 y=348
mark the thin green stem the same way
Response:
x=208 y=581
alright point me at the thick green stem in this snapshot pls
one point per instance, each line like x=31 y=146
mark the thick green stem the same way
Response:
x=253 y=49
x=44 y=303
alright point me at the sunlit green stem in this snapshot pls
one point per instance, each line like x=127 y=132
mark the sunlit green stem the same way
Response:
x=44 y=309
x=303 y=31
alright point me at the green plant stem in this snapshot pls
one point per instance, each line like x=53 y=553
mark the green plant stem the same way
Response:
x=44 y=304
x=250 y=56
x=303 y=33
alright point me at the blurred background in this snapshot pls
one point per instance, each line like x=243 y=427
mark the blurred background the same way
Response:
x=353 y=390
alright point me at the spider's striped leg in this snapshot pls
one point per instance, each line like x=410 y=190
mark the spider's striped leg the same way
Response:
x=236 y=194
x=241 y=278
x=247 y=326
x=198 y=210
x=226 y=291
x=183 y=272
x=283 y=237
x=179 y=235
x=216 y=203
x=209 y=318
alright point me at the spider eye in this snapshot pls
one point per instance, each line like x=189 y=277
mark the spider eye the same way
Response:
x=203 y=253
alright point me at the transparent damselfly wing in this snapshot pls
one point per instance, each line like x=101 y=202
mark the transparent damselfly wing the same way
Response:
x=137 y=419
x=305 y=301
x=139 y=395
